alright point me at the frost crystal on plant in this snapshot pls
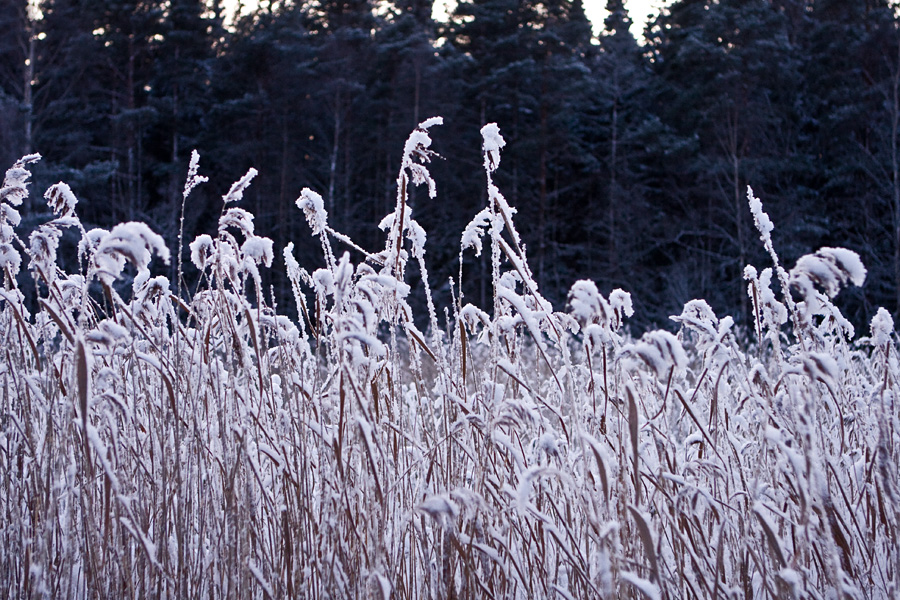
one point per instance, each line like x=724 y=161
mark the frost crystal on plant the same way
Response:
x=313 y=207
x=492 y=142
x=259 y=249
x=193 y=179
x=661 y=351
x=201 y=248
x=132 y=241
x=760 y=218
x=587 y=305
x=474 y=231
x=61 y=200
x=882 y=327
x=15 y=183
x=236 y=192
x=829 y=268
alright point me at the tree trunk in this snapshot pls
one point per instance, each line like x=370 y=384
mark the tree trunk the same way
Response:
x=332 y=173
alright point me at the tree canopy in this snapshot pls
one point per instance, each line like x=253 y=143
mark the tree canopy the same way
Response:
x=628 y=160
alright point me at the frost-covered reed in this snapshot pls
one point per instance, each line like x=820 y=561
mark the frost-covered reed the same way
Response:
x=161 y=445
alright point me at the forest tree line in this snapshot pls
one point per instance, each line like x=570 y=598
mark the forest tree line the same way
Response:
x=628 y=160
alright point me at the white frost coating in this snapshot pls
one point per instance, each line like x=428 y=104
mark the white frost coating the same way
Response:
x=819 y=365
x=15 y=183
x=388 y=284
x=293 y=267
x=238 y=187
x=561 y=589
x=794 y=580
x=417 y=146
x=648 y=588
x=259 y=249
x=10 y=259
x=439 y=507
x=8 y=213
x=360 y=407
x=491 y=553
x=698 y=315
x=132 y=241
x=44 y=241
x=385 y=586
x=323 y=282
x=107 y=333
x=472 y=317
x=586 y=303
x=492 y=143
x=193 y=180
x=427 y=123
x=660 y=350
x=830 y=268
x=529 y=317
x=61 y=200
x=89 y=241
x=201 y=248
x=474 y=231
x=526 y=488
x=547 y=443
x=239 y=219
x=620 y=302
x=416 y=235
x=313 y=207
x=849 y=263
x=760 y=509
x=760 y=219
x=774 y=311
x=882 y=327
x=260 y=578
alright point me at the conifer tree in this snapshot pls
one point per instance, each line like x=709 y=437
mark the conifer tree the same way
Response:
x=17 y=54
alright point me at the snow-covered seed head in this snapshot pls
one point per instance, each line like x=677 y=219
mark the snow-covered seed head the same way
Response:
x=760 y=219
x=829 y=268
x=61 y=200
x=474 y=231
x=10 y=259
x=238 y=218
x=15 y=183
x=44 y=241
x=236 y=192
x=418 y=147
x=193 y=180
x=134 y=242
x=491 y=145
x=661 y=351
x=620 y=303
x=587 y=305
x=201 y=249
x=698 y=315
x=820 y=367
x=258 y=249
x=313 y=207
x=882 y=327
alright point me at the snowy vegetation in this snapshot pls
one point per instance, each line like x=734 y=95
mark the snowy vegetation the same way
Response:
x=160 y=442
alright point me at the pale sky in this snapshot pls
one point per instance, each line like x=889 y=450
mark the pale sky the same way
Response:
x=596 y=12
x=637 y=10
x=595 y=9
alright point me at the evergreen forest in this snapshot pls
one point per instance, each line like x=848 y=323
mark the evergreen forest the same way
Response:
x=628 y=159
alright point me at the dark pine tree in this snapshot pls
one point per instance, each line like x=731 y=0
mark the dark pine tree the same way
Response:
x=728 y=84
x=17 y=59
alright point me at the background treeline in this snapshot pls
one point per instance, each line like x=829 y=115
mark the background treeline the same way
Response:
x=628 y=162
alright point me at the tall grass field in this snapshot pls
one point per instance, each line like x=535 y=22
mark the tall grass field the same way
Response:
x=159 y=440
